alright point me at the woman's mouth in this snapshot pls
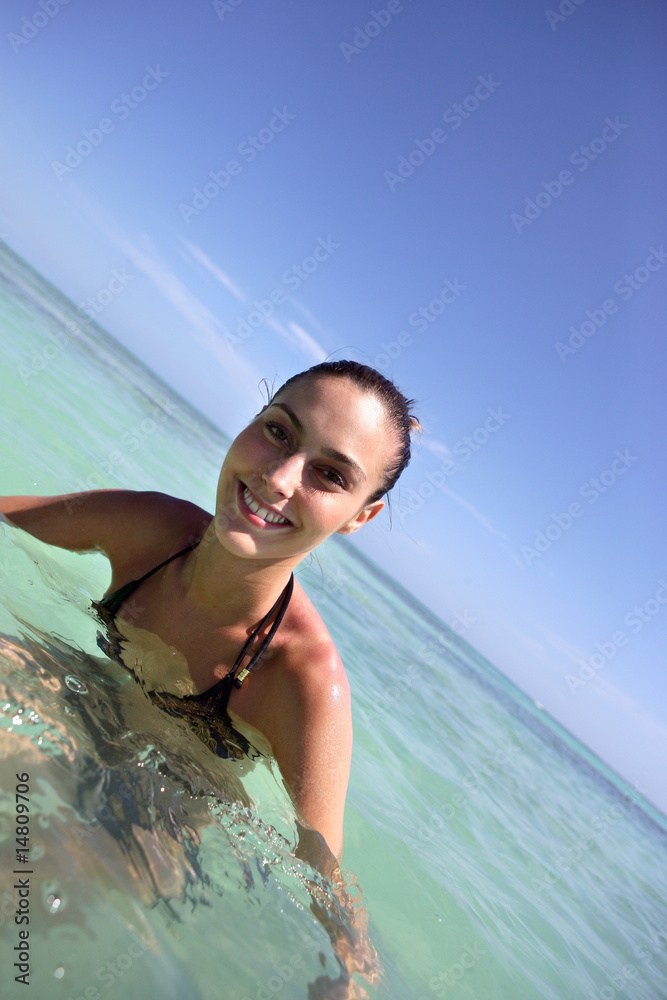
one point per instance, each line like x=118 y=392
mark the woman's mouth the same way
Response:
x=257 y=513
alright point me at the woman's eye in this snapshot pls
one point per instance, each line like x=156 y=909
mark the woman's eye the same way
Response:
x=333 y=477
x=278 y=432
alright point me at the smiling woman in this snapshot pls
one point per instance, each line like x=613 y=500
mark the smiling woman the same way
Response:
x=216 y=591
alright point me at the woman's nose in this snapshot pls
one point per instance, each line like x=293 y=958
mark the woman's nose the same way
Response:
x=283 y=475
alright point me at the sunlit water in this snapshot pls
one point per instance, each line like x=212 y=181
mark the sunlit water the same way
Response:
x=487 y=855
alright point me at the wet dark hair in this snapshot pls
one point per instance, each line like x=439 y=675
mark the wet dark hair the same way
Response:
x=395 y=403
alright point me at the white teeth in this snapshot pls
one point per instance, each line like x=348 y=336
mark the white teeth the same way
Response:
x=266 y=515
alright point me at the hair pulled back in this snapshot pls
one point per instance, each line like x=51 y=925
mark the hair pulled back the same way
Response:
x=395 y=403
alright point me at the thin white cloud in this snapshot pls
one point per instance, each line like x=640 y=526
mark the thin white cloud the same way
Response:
x=499 y=536
x=198 y=254
x=297 y=337
x=313 y=322
x=437 y=448
x=203 y=325
x=572 y=652
x=533 y=645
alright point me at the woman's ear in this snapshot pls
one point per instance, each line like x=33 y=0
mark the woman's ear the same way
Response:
x=364 y=515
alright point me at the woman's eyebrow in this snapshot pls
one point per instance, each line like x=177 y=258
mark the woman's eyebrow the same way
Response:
x=338 y=456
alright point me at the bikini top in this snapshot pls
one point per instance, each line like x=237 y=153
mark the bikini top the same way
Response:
x=198 y=708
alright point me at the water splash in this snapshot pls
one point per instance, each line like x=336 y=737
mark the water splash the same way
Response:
x=74 y=684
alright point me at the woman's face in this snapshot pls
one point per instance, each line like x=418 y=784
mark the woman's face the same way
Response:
x=303 y=470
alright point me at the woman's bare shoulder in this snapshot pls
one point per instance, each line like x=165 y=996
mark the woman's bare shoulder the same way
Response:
x=308 y=645
x=146 y=526
x=310 y=679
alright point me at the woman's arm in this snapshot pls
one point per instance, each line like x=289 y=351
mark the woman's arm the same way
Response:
x=120 y=523
x=311 y=737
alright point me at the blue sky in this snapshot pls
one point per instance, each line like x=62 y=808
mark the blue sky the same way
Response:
x=469 y=196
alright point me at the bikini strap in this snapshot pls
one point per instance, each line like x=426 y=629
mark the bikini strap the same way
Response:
x=113 y=601
x=217 y=696
x=188 y=548
x=281 y=604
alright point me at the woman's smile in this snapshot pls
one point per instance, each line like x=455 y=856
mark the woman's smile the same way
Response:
x=258 y=512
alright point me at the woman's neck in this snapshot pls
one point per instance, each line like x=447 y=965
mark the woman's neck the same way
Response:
x=230 y=588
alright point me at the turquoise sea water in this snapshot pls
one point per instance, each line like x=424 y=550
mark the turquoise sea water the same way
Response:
x=487 y=854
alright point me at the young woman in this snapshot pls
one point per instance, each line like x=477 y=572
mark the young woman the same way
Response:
x=238 y=636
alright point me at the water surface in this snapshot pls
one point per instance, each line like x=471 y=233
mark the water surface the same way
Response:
x=488 y=855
